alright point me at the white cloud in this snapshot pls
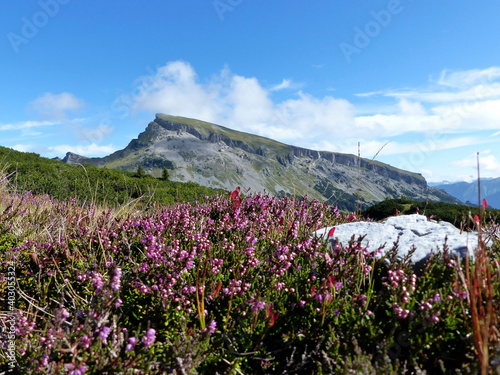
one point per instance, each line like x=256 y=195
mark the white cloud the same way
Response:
x=55 y=106
x=27 y=125
x=468 y=78
x=240 y=102
x=474 y=116
x=248 y=102
x=93 y=134
x=368 y=94
x=91 y=150
x=452 y=87
x=22 y=148
x=285 y=84
x=487 y=162
x=174 y=90
x=370 y=146
x=470 y=94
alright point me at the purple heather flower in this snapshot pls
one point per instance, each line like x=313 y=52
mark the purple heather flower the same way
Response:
x=130 y=345
x=149 y=338
x=103 y=334
x=115 y=282
x=85 y=341
x=80 y=370
x=319 y=297
x=338 y=285
x=63 y=313
x=97 y=280
x=45 y=360
x=258 y=305
x=211 y=327
x=425 y=306
x=328 y=297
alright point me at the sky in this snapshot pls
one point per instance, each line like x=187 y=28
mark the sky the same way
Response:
x=415 y=82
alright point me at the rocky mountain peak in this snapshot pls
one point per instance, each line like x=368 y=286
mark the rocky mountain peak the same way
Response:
x=72 y=158
x=220 y=157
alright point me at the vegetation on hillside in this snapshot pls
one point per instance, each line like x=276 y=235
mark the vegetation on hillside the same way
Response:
x=87 y=183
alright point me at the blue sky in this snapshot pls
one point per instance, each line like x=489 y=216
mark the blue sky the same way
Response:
x=420 y=77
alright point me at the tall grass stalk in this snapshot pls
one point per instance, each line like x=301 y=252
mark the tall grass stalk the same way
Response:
x=481 y=293
x=4 y=177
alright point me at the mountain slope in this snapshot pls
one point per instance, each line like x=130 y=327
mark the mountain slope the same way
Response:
x=31 y=172
x=467 y=191
x=220 y=157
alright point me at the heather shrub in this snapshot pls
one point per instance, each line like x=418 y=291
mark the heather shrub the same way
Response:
x=223 y=285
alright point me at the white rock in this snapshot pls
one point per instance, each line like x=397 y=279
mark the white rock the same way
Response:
x=412 y=230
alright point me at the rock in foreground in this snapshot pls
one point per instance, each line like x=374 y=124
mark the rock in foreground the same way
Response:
x=412 y=230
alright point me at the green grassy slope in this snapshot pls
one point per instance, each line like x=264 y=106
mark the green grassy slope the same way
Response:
x=89 y=183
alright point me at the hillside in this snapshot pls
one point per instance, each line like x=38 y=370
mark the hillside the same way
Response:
x=87 y=183
x=219 y=157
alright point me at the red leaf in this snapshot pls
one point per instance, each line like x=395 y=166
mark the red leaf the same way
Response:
x=265 y=207
x=485 y=204
x=235 y=194
x=235 y=197
x=271 y=316
x=331 y=232
x=313 y=290
x=237 y=203
x=331 y=281
x=273 y=319
x=216 y=291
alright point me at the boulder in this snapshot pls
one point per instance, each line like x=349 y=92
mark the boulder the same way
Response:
x=411 y=230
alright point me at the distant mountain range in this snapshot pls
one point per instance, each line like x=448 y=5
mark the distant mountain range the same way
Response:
x=220 y=157
x=467 y=191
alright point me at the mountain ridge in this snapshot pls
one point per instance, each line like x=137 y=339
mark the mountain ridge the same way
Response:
x=220 y=157
x=467 y=191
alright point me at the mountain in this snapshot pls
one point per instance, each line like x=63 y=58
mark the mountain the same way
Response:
x=220 y=157
x=467 y=191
